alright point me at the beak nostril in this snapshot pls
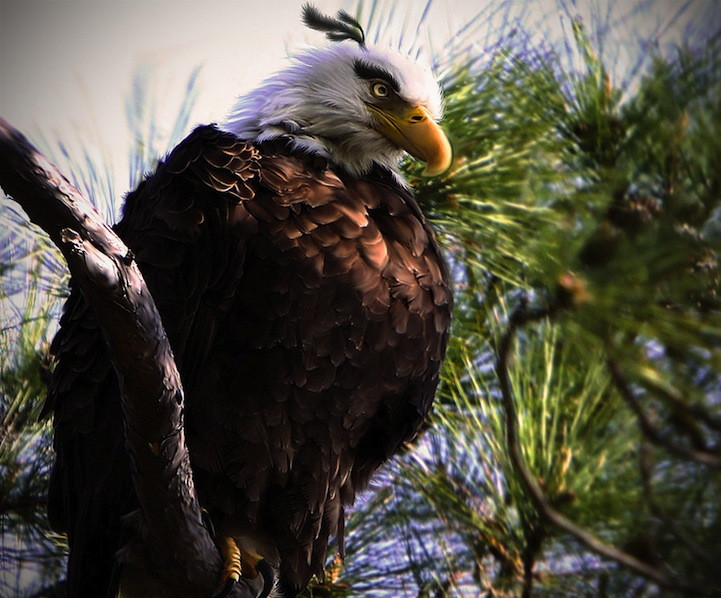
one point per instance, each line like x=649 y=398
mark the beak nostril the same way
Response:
x=417 y=118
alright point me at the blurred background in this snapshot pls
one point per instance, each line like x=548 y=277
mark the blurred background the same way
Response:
x=575 y=444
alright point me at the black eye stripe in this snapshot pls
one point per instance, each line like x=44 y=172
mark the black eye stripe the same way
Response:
x=368 y=71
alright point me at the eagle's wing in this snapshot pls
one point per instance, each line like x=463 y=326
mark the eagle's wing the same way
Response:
x=187 y=227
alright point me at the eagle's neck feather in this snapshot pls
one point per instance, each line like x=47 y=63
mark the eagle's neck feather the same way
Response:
x=335 y=127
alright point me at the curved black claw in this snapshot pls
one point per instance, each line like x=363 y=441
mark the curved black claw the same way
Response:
x=227 y=589
x=207 y=522
x=266 y=570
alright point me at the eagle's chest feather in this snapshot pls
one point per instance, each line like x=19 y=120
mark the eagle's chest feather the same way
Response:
x=305 y=307
x=342 y=307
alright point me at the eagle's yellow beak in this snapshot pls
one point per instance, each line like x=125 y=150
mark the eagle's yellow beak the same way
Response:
x=413 y=129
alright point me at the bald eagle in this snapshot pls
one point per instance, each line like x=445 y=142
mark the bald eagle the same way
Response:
x=306 y=302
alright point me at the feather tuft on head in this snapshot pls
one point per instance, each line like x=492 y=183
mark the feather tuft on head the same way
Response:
x=337 y=29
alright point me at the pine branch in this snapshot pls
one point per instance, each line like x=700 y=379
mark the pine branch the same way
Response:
x=520 y=317
x=184 y=559
x=668 y=521
x=650 y=431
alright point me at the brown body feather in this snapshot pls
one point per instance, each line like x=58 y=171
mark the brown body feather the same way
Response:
x=308 y=312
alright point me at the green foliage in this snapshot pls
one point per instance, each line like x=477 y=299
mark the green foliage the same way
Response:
x=29 y=548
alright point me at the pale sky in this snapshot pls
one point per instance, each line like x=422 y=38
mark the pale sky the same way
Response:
x=66 y=66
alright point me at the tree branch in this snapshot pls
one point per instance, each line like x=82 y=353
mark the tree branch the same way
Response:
x=650 y=431
x=667 y=521
x=183 y=556
x=521 y=316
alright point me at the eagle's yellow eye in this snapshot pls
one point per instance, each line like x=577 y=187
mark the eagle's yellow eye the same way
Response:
x=379 y=90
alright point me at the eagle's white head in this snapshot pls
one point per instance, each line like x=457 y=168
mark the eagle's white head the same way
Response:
x=353 y=104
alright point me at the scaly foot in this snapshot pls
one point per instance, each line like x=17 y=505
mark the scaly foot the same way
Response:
x=242 y=563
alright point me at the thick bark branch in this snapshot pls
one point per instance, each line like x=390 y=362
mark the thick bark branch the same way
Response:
x=184 y=559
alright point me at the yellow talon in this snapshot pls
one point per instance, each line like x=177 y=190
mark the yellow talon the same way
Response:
x=243 y=563
x=233 y=568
